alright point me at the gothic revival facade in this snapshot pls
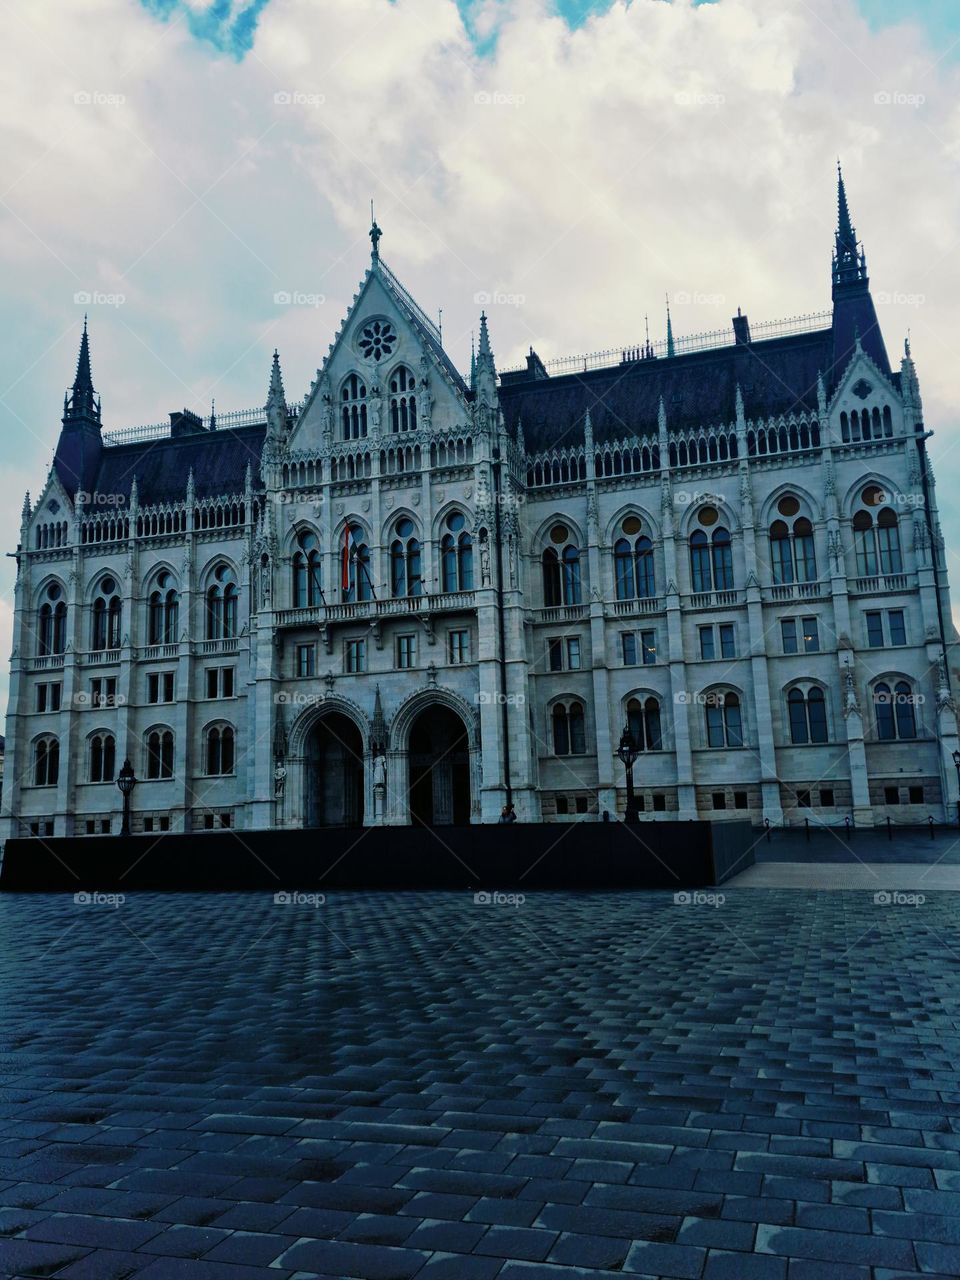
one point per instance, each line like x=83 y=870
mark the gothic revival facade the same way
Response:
x=413 y=596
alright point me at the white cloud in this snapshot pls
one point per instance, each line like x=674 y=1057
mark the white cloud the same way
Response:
x=659 y=148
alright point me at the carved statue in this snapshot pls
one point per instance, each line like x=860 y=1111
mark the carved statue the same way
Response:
x=485 y=562
x=279 y=781
x=379 y=771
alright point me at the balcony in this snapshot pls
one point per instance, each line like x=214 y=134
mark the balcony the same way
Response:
x=158 y=652
x=880 y=584
x=632 y=608
x=795 y=591
x=100 y=658
x=321 y=615
x=231 y=644
x=555 y=614
x=49 y=662
x=712 y=599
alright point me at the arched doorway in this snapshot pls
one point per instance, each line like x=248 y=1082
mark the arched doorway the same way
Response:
x=333 y=774
x=439 y=756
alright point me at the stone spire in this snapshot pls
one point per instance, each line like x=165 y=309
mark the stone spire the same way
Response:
x=378 y=726
x=473 y=365
x=276 y=406
x=849 y=260
x=81 y=402
x=671 y=349
x=486 y=367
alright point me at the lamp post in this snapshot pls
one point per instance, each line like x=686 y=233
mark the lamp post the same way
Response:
x=956 y=764
x=627 y=751
x=126 y=781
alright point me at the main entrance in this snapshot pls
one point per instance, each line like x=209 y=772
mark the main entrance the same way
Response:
x=333 y=774
x=439 y=756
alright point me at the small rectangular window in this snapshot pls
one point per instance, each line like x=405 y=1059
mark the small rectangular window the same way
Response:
x=708 y=648
x=458 y=647
x=628 y=647
x=916 y=795
x=104 y=826
x=573 y=653
x=555 y=654
x=148 y=824
x=225 y=820
x=562 y=804
x=91 y=827
x=56 y=692
x=875 y=630
x=659 y=802
x=406 y=652
x=811 y=636
x=306 y=660
x=788 y=634
x=740 y=800
x=897 y=625
x=213 y=682
x=582 y=806
x=227 y=681
x=719 y=800
x=803 y=799
x=826 y=798
x=891 y=795
x=648 y=645
x=41 y=704
x=208 y=822
x=356 y=656
x=728 y=647
x=165 y=823
x=153 y=686
x=167 y=683
x=640 y=799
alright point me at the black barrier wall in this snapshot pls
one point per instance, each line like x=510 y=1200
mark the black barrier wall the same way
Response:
x=536 y=856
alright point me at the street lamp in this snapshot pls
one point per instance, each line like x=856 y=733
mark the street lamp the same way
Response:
x=627 y=751
x=956 y=763
x=126 y=781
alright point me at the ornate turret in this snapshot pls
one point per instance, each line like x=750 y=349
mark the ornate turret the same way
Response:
x=855 y=324
x=77 y=458
x=486 y=368
x=849 y=260
x=671 y=349
x=276 y=406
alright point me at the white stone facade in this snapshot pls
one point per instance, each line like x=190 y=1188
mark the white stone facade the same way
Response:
x=469 y=653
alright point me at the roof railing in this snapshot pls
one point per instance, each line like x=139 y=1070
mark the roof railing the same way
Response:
x=218 y=422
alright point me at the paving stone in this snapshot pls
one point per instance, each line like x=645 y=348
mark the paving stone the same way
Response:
x=743 y=1266
x=670 y=1261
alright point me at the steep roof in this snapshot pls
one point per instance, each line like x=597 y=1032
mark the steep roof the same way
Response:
x=218 y=460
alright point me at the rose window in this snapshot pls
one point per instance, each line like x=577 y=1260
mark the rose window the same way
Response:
x=377 y=339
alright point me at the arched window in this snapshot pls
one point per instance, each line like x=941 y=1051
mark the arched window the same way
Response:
x=403 y=400
x=46 y=762
x=633 y=562
x=107 y=613
x=643 y=721
x=724 y=721
x=159 y=754
x=700 y=576
x=220 y=750
x=222 y=604
x=894 y=711
x=561 y=569
x=355 y=580
x=793 y=556
x=876 y=540
x=406 y=556
x=52 y=622
x=711 y=554
x=103 y=755
x=307 y=588
x=569 y=734
x=353 y=408
x=456 y=555
x=808 y=715
x=164 y=611
x=722 y=560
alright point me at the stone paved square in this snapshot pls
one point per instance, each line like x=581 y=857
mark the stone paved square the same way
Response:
x=390 y=1086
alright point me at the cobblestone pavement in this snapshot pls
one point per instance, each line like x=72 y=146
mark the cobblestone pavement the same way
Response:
x=390 y=1086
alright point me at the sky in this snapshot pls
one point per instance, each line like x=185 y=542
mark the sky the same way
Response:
x=174 y=166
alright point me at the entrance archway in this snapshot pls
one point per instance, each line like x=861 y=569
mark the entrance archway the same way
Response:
x=333 y=774
x=439 y=759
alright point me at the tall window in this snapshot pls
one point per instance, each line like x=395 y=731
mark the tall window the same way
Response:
x=222 y=605
x=353 y=408
x=793 y=556
x=403 y=400
x=220 y=750
x=159 y=754
x=724 y=721
x=103 y=755
x=456 y=555
x=894 y=711
x=569 y=734
x=808 y=715
x=164 y=611
x=406 y=553
x=355 y=580
x=633 y=562
x=107 y=609
x=306 y=570
x=643 y=721
x=46 y=762
x=711 y=554
x=52 y=622
x=876 y=535
x=561 y=569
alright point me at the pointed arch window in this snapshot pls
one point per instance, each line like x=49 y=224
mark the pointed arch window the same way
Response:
x=353 y=408
x=724 y=720
x=307 y=580
x=103 y=757
x=894 y=710
x=159 y=754
x=456 y=555
x=107 y=615
x=560 y=563
x=46 y=762
x=222 y=603
x=793 y=556
x=355 y=580
x=164 y=611
x=643 y=721
x=220 y=750
x=406 y=560
x=633 y=562
x=808 y=715
x=403 y=400
x=52 y=622
x=569 y=731
x=876 y=535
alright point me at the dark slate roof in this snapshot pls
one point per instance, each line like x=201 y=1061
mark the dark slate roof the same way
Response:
x=776 y=376
x=218 y=459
